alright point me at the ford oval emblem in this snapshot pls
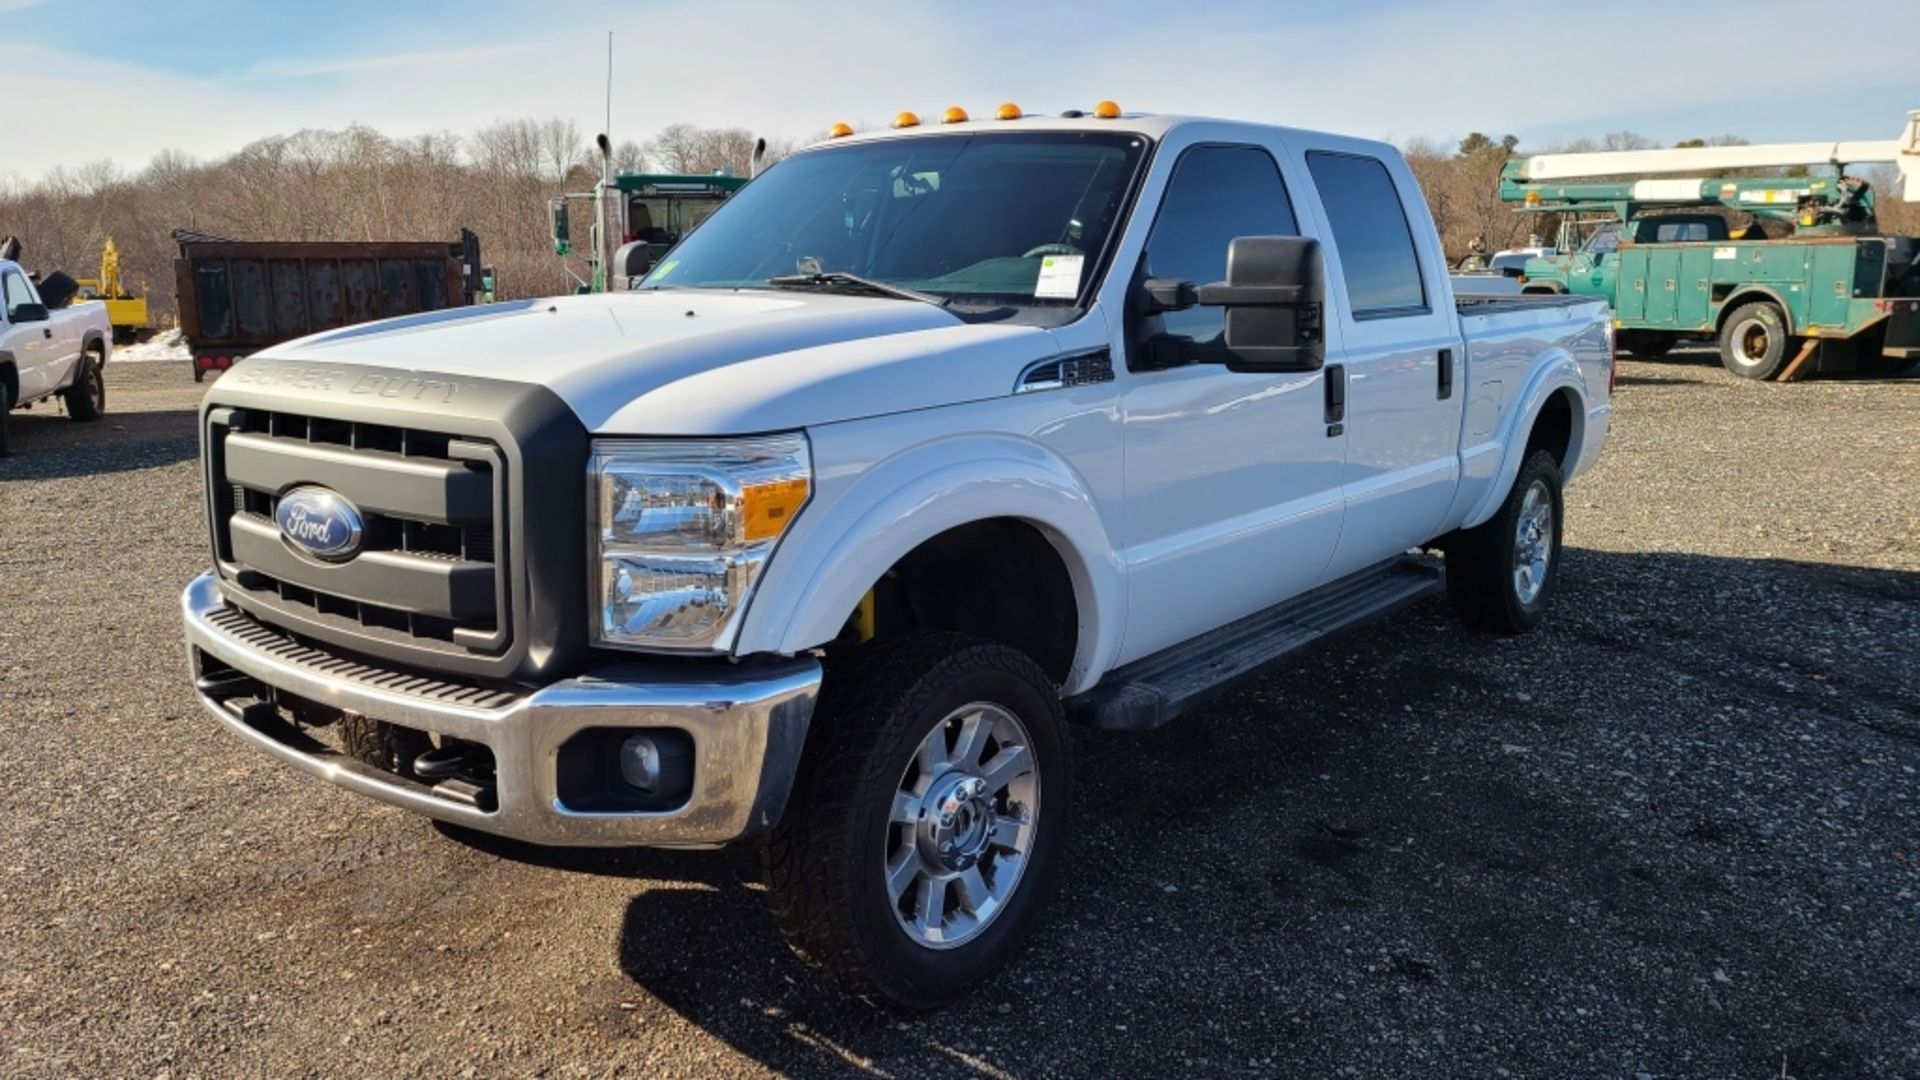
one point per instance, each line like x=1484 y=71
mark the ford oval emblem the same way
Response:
x=320 y=523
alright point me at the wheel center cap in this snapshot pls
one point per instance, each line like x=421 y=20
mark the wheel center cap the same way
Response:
x=956 y=821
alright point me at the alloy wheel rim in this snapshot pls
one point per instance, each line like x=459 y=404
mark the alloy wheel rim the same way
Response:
x=1533 y=543
x=961 y=828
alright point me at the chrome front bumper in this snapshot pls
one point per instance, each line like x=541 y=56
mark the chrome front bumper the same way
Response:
x=747 y=722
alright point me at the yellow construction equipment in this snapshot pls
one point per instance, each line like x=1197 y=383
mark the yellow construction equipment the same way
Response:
x=128 y=313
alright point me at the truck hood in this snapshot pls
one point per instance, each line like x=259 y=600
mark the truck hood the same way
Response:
x=698 y=362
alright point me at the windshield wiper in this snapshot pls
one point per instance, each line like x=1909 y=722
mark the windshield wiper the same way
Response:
x=834 y=279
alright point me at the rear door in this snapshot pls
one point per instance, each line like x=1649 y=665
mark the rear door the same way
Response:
x=1403 y=354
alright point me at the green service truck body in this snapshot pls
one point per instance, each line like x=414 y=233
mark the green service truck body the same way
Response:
x=1835 y=288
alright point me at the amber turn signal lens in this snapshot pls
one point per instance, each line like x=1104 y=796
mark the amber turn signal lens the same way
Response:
x=906 y=119
x=954 y=115
x=1008 y=111
x=839 y=131
x=1106 y=110
x=767 y=509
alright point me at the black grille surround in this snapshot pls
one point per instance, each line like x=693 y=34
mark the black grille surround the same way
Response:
x=474 y=496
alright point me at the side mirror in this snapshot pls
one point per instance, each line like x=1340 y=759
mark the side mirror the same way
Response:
x=1274 y=297
x=26 y=313
x=632 y=260
x=562 y=234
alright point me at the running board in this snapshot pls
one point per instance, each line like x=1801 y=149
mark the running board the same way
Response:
x=1154 y=689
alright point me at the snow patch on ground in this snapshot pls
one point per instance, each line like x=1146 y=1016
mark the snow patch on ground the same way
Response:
x=167 y=345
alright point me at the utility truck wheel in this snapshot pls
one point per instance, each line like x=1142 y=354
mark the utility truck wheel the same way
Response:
x=6 y=410
x=87 y=397
x=1753 y=343
x=928 y=818
x=1501 y=572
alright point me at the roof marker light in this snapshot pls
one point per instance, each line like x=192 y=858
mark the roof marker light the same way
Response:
x=906 y=119
x=839 y=131
x=1008 y=111
x=1106 y=110
x=954 y=115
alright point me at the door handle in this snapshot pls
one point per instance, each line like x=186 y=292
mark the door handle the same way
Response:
x=1336 y=410
x=1446 y=374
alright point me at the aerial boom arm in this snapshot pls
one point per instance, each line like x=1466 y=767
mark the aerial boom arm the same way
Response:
x=1903 y=153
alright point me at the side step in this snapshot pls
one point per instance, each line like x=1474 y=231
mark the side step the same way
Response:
x=1154 y=689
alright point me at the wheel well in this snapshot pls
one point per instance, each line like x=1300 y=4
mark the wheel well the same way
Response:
x=1754 y=296
x=1000 y=579
x=1553 y=428
x=11 y=380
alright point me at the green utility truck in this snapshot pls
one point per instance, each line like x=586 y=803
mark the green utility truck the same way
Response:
x=1805 y=280
x=637 y=218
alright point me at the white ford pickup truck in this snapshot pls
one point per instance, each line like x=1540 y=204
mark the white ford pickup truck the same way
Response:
x=46 y=353
x=926 y=442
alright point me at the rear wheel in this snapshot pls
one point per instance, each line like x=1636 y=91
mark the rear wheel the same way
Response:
x=927 y=821
x=6 y=412
x=1753 y=342
x=87 y=397
x=1501 y=573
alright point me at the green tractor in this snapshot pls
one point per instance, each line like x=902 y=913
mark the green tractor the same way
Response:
x=637 y=218
x=1807 y=280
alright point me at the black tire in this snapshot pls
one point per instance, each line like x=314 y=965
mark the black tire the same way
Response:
x=1647 y=344
x=1483 y=562
x=1753 y=340
x=826 y=860
x=6 y=418
x=87 y=397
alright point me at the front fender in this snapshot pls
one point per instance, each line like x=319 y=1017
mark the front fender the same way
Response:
x=849 y=537
x=1554 y=370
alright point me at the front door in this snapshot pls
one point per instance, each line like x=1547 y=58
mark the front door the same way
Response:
x=30 y=343
x=1232 y=480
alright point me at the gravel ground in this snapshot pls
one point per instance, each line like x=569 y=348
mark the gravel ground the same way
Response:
x=1674 y=833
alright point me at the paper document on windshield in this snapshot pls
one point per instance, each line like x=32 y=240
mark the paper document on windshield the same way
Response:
x=1059 y=277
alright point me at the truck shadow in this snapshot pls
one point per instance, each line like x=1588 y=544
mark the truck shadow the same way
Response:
x=48 y=446
x=1695 y=768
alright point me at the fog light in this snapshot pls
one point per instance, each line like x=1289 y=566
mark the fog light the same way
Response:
x=640 y=762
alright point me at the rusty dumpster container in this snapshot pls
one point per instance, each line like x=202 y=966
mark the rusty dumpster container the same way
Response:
x=239 y=296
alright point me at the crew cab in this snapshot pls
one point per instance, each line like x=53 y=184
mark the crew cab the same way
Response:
x=44 y=353
x=927 y=441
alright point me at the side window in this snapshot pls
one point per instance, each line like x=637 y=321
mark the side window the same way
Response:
x=15 y=287
x=1370 y=225
x=1217 y=193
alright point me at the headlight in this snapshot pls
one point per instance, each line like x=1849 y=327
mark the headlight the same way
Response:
x=682 y=530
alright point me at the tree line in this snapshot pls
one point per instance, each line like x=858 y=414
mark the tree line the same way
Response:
x=358 y=184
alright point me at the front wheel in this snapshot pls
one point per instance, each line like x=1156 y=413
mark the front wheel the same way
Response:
x=928 y=818
x=1501 y=572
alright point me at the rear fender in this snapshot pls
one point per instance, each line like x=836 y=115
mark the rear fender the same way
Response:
x=1553 y=371
x=839 y=549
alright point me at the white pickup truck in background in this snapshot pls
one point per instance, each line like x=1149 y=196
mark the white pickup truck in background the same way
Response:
x=47 y=352
x=925 y=442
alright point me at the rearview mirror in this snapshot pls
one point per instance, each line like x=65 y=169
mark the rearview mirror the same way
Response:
x=632 y=260
x=26 y=313
x=1274 y=296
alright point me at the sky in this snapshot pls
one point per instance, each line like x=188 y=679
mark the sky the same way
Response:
x=126 y=79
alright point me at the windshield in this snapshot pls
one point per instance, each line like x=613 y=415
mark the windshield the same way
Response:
x=996 y=220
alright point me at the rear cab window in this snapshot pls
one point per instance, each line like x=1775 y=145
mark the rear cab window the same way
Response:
x=1379 y=262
